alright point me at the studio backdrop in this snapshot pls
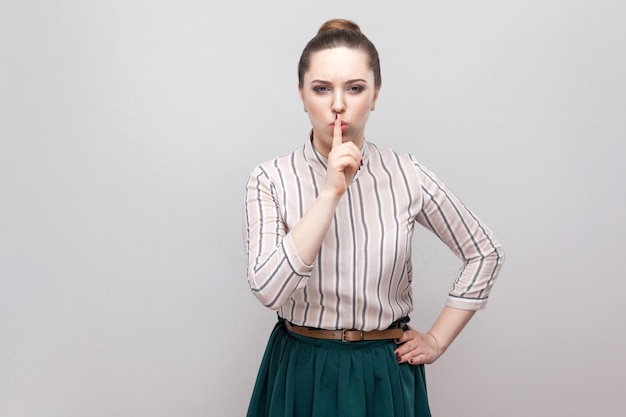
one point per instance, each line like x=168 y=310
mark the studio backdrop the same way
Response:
x=128 y=130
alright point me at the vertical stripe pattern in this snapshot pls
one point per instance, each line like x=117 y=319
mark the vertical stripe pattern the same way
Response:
x=362 y=275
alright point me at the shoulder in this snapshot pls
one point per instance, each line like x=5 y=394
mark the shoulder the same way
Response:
x=391 y=157
x=277 y=164
x=274 y=173
x=403 y=167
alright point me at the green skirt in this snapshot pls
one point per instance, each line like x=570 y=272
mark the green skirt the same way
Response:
x=306 y=377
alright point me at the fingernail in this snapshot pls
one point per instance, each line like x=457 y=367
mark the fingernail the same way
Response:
x=361 y=162
x=398 y=358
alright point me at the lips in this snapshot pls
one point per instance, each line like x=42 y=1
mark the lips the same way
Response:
x=344 y=126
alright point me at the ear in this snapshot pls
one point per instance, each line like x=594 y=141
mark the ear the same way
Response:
x=375 y=98
x=301 y=92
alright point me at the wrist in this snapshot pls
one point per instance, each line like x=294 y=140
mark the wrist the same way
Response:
x=436 y=341
x=329 y=196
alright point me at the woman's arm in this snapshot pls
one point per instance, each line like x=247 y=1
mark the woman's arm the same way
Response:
x=466 y=236
x=474 y=243
x=280 y=260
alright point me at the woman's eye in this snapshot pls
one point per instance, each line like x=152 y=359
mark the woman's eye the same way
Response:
x=321 y=89
x=355 y=89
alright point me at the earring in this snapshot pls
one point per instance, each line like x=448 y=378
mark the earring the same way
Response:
x=373 y=108
x=305 y=110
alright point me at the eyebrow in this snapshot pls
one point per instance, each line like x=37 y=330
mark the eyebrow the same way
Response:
x=356 y=80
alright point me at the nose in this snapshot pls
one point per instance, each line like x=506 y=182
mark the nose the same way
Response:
x=339 y=104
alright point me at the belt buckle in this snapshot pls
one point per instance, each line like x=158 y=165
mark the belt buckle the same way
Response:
x=343 y=335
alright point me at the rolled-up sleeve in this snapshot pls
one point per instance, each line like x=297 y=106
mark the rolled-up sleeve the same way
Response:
x=467 y=237
x=275 y=270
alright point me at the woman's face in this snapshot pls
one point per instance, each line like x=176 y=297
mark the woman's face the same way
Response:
x=339 y=82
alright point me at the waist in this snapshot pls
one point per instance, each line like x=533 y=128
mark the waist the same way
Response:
x=348 y=335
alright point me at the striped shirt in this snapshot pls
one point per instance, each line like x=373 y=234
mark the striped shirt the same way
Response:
x=361 y=278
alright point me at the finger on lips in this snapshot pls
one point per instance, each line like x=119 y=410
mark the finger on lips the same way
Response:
x=337 y=137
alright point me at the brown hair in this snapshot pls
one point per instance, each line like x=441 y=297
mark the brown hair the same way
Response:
x=336 y=33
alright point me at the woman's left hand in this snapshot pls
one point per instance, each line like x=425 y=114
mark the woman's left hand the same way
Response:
x=417 y=348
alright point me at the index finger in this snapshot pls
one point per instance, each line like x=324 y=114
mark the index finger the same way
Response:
x=337 y=136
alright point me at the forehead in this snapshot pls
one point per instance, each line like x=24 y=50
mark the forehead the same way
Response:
x=338 y=64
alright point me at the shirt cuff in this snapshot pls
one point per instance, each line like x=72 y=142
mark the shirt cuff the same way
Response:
x=466 y=303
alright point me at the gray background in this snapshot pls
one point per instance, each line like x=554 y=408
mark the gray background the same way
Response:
x=128 y=129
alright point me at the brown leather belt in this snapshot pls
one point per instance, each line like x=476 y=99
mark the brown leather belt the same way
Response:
x=346 y=335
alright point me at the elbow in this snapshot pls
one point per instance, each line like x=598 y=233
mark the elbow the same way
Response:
x=266 y=299
x=500 y=256
x=494 y=258
x=263 y=292
x=275 y=290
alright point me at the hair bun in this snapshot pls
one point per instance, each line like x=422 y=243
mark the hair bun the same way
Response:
x=335 y=24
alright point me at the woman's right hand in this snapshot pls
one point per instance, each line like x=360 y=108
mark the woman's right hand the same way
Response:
x=344 y=160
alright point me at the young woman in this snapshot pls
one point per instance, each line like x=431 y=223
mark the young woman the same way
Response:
x=328 y=232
